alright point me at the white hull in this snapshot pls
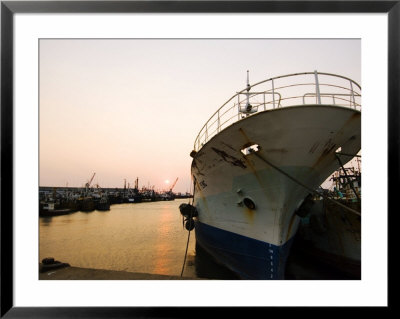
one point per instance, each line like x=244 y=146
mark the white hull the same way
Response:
x=299 y=140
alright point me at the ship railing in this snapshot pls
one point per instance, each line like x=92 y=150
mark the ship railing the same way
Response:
x=308 y=88
x=335 y=97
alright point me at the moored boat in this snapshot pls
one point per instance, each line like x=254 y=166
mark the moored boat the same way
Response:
x=55 y=212
x=86 y=204
x=330 y=233
x=103 y=203
x=258 y=158
x=51 y=208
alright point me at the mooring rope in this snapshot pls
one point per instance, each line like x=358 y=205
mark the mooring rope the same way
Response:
x=184 y=260
x=306 y=187
x=187 y=243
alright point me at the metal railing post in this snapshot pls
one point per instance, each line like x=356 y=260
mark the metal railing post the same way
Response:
x=352 y=95
x=238 y=107
x=273 y=92
x=265 y=107
x=317 y=87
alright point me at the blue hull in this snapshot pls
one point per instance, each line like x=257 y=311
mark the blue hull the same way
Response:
x=247 y=257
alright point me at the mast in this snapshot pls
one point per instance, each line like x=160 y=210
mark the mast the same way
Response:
x=248 y=106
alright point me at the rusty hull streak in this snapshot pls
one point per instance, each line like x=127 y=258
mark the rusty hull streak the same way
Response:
x=249 y=213
x=199 y=154
x=194 y=164
x=228 y=146
x=195 y=167
x=202 y=196
x=247 y=158
x=244 y=134
x=250 y=165
x=229 y=158
x=313 y=148
x=259 y=180
x=329 y=146
x=352 y=118
x=324 y=154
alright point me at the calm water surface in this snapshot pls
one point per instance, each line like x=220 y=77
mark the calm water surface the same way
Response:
x=142 y=237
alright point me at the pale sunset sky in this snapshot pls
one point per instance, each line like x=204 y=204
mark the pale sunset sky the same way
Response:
x=127 y=108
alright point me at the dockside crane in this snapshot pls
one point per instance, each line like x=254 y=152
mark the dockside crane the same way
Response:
x=173 y=185
x=88 y=183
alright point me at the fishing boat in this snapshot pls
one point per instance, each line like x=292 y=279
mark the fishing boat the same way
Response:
x=331 y=234
x=86 y=204
x=103 y=203
x=51 y=208
x=258 y=158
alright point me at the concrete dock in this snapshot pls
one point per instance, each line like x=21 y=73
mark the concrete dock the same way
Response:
x=76 y=273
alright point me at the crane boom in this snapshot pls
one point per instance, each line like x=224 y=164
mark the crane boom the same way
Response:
x=90 y=181
x=173 y=185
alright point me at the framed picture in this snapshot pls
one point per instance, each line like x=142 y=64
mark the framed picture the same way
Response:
x=54 y=57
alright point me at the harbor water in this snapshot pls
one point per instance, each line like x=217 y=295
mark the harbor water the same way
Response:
x=146 y=237
x=149 y=238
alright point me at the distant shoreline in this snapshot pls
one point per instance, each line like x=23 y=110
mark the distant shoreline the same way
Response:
x=108 y=189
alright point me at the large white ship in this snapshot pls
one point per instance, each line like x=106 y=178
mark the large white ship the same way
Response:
x=257 y=159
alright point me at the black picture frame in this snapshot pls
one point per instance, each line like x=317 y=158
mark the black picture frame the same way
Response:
x=9 y=8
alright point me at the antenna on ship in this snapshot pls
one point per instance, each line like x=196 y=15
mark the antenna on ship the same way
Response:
x=248 y=106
